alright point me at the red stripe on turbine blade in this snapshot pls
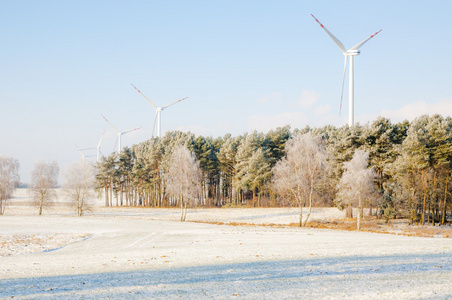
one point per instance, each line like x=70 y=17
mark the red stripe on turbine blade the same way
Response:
x=317 y=20
x=375 y=33
x=135 y=88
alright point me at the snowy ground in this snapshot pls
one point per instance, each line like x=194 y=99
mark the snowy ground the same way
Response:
x=137 y=253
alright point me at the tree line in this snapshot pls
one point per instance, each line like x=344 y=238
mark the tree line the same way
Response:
x=411 y=163
x=401 y=170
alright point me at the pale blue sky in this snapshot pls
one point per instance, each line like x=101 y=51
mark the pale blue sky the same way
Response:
x=243 y=64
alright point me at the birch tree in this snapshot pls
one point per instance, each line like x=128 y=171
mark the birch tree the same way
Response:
x=79 y=185
x=302 y=173
x=357 y=182
x=183 y=178
x=9 y=179
x=44 y=179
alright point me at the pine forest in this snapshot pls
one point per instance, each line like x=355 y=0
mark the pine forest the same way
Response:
x=408 y=165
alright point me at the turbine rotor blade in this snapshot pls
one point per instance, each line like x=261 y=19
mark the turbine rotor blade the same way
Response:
x=168 y=105
x=110 y=124
x=124 y=132
x=79 y=150
x=101 y=138
x=357 y=46
x=343 y=81
x=114 y=149
x=153 y=127
x=152 y=103
x=87 y=149
x=335 y=39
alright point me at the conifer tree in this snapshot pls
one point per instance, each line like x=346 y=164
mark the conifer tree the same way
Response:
x=227 y=163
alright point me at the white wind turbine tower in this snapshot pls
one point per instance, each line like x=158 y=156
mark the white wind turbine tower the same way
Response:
x=119 y=133
x=348 y=53
x=158 y=111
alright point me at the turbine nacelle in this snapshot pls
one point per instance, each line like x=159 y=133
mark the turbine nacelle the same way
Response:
x=352 y=52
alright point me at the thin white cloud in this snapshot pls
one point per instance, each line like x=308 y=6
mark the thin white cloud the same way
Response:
x=322 y=110
x=411 y=111
x=416 y=109
x=317 y=116
x=271 y=98
x=308 y=98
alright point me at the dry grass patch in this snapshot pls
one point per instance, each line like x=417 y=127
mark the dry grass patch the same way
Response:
x=369 y=224
x=380 y=226
x=31 y=243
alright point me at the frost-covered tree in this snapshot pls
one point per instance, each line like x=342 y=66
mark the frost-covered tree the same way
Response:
x=413 y=162
x=149 y=156
x=440 y=144
x=275 y=141
x=302 y=174
x=227 y=163
x=259 y=172
x=422 y=168
x=124 y=174
x=105 y=176
x=9 y=179
x=342 y=143
x=242 y=179
x=380 y=139
x=205 y=152
x=79 y=184
x=357 y=182
x=44 y=180
x=183 y=178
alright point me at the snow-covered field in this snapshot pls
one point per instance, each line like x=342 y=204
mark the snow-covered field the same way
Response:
x=147 y=253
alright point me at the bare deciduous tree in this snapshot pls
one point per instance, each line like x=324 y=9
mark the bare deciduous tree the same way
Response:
x=9 y=179
x=44 y=179
x=183 y=178
x=302 y=173
x=79 y=184
x=357 y=182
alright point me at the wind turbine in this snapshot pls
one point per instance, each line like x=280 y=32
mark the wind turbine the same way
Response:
x=354 y=51
x=119 y=133
x=158 y=111
x=81 y=152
